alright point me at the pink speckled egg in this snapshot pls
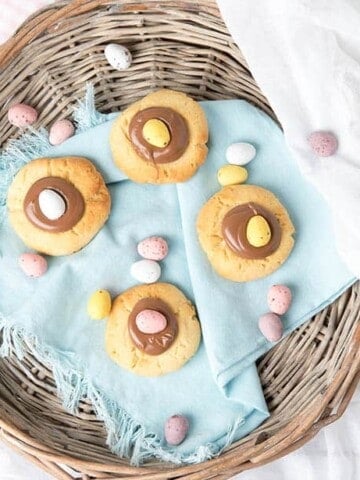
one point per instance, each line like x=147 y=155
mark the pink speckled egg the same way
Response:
x=279 y=299
x=324 y=144
x=153 y=248
x=33 y=265
x=150 y=321
x=271 y=327
x=61 y=131
x=176 y=429
x=22 y=115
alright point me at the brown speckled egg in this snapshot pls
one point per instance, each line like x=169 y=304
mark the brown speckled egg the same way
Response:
x=279 y=299
x=22 y=115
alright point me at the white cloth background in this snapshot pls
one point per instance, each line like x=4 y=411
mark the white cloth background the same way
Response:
x=333 y=455
x=305 y=56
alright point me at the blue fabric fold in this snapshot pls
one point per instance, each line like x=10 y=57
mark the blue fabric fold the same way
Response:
x=314 y=270
x=219 y=388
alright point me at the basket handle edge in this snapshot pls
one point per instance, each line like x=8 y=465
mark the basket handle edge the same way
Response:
x=36 y=25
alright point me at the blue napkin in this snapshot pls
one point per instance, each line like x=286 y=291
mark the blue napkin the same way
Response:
x=314 y=271
x=218 y=389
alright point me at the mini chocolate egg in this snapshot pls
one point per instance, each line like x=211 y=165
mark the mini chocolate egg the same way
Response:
x=99 y=305
x=156 y=133
x=231 y=175
x=146 y=271
x=153 y=248
x=176 y=429
x=324 y=144
x=22 y=115
x=258 y=232
x=33 y=265
x=61 y=131
x=271 y=327
x=118 y=56
x=52 y=204
x=240 y=153
x=279 y=299
x=150 y=321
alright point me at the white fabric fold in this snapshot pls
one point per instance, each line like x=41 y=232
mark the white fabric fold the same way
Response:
x=305 y=56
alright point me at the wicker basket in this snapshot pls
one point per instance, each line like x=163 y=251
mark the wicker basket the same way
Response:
x=308 y=378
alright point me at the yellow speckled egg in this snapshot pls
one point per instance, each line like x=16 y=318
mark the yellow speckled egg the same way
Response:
x=258 y=232
x=99 y=305
x=232 y=175
x=156 y=133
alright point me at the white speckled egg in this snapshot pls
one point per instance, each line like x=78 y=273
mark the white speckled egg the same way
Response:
x=22 y=115
x=240 y=153
x=61 y=131
x=176 y=429
x=146 y=271
x=51 y=204
x=33 y=265
x=118 y=56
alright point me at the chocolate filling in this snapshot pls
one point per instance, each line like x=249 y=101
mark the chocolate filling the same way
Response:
x=75 y=205
x=234 y=227
x=179 y=135
x=154 y=343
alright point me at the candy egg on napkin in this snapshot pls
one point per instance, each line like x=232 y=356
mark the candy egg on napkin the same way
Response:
x=240 y=153
x=153 y=248
x=271 y=327
x=146 y=271
x=33 y=265
x=176 y=429
x=99 y=305
x=279 y=299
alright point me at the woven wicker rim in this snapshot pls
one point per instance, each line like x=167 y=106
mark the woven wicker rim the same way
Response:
x=308 y=378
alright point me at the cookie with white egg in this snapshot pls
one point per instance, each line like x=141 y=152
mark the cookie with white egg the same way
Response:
x=245 y=232
x=152 y=330
x=161 y=138
x=57 y=206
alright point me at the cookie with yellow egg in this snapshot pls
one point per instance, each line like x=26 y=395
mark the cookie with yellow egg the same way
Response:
x=152 y=330
x=57 y=205
x=245 y=232
x=161 y=138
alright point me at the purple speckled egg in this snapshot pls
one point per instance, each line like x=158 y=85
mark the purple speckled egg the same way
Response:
x=271 y=327
x=279 y=299
x=324 y=144
x=33 y=265
x=61 y=131
x=150 y=321
x=22 y=115
x=176 y=429
x=153 y=248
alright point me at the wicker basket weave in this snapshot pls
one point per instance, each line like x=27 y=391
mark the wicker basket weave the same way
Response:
x=308 y=378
